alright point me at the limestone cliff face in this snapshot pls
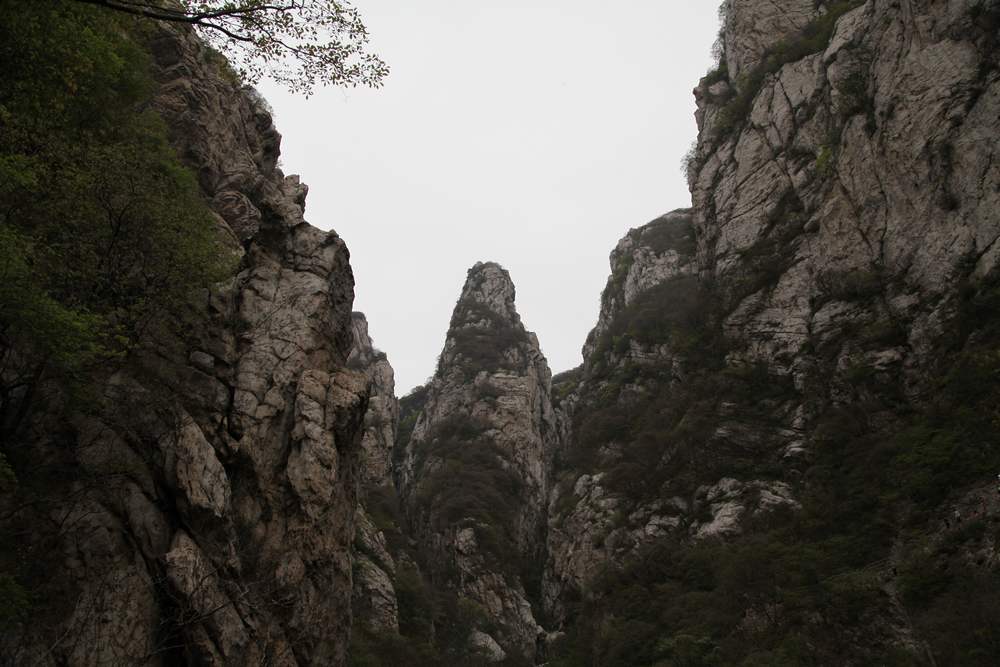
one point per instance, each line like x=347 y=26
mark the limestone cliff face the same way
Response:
x=202 y=510
x=865 y=166
x=831 y=272
x=474 y=474
x=586 y=527
x=382 y=417
x=374 y=602
x=858 y=193
x=750 y=28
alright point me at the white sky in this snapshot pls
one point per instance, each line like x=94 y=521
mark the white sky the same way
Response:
x=534 y=134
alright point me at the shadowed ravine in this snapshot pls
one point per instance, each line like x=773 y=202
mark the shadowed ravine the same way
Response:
x=781 y=448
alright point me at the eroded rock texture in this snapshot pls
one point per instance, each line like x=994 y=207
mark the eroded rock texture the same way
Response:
x=201 y=509
x=832 y=271
x=375 y=604
x=474 y=475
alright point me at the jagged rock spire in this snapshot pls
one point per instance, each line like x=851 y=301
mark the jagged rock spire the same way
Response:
x=474 y=475
x=489 y=284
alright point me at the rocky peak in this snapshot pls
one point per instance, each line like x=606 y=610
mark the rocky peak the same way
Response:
x=647 y=256
x=485 y=333
x=474 y=474
x=487 y=285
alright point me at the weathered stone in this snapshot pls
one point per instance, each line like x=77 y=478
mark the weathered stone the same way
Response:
x=493 y=376
x=212 y=497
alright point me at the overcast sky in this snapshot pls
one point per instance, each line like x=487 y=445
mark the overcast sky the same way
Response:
x=534 y=134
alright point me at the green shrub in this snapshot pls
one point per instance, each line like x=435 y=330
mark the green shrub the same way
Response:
x=717 y=74
x=672 y=233
x=824 y=160
x=483 y=348
x=851 y=284
x=103 y=234
x=14 y=601
x=565 y=383
x=410 y=408
x=466 y=480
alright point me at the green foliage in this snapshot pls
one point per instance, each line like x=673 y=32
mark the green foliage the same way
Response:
x=434 y=629
x=33 y=320
x=565 y=383
x=671 y=312
x=955 y=440
x=483 y=346
x=711 y=603
x=805 y=586
x=854 y=90
x=410 y=407
x=298 y=44
x=665 y=234
x=717 y=74
x=950 y=596
x=773 y=254
x=824 y=160
x=103 y=232
x=465 y=480
x=668 y=437
x=850 y=284
x=416 y=603
x=814 y=37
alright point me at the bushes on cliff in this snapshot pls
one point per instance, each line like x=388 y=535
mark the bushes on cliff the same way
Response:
x=675 y=312
x=103 y=231
x=808 y=587
x=466 y=481
x=813 y=38
x=483 y=338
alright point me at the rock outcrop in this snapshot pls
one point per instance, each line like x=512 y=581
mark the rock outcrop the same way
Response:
x=201 y=510
x=862 y=169
x=819 y=313
x=474 y=474
x=382 y=417
x=780 y=447
x=651 y=266
x=374 y=604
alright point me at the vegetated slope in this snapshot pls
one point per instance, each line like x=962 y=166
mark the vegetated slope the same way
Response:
x=783 y=448
x=474 y=473
x=182 y=471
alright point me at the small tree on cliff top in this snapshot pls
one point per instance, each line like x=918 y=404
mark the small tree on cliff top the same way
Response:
x=299 y=43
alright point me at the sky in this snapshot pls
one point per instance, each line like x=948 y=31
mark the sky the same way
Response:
x=534 y=134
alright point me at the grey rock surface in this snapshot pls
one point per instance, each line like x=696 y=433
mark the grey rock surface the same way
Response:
x=491 y=395
x=209 y=515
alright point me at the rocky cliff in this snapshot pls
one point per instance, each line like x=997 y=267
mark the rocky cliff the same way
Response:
x=201 y=508
x=770 y=454
x=474 y=473
x=770 y=427
x=780 y=449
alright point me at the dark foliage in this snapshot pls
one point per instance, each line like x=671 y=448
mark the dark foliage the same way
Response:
x=465 y=479
x=810 y=586
x=483 y=338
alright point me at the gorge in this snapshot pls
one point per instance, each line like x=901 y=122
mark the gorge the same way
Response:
x=781 y=447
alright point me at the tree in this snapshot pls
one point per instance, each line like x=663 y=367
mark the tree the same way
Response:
x=103 y=233
x=299 y=43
